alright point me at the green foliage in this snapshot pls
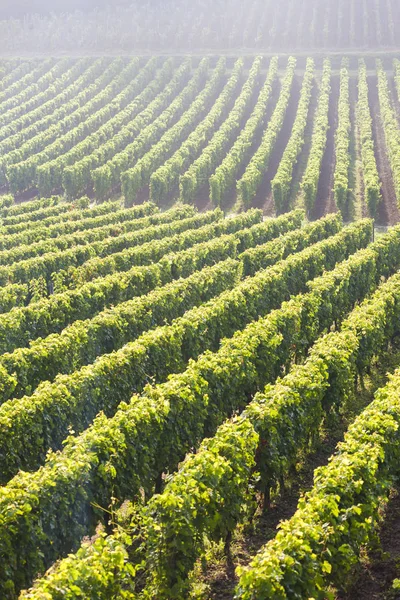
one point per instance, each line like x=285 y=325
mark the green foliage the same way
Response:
x=342 y=141
x=145 y=129
x=77 y=85
x=196 y=231
x=56 y=312
x=82 y=341
x=21 y=166
x=91 y=169
x=47 y=211
x=390 y=127
x=311 y=175
x=44 y=359
x=21 y=95
x=322 y=541
x=44 y=169
x=123 y=456
x=166 y=177
x=364 y=122
x=249 y=183
x=40 y=231
x=281 y=183
x=204 y=166
x=5 y=203
x=88 y=231
x=212 y=489
x=173 y=221
x=129 y=336
x=135 y=178
x=70 y=582
x=197 y=501
x=225 y=174
x=396 y=584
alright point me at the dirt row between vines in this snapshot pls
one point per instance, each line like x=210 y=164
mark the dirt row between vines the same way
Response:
x=388 y=213
x=202 y=201
x=219 y=576
x=373 y=578
x=325 y=202
x=264 y=197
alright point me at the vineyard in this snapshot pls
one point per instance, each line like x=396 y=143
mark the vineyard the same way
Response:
x=132 y=338
x=275 y=134
x=200 y=301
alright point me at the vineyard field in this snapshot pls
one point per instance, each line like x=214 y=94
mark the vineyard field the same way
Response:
x=191 y=331
x=199 y=300
x=274 y=134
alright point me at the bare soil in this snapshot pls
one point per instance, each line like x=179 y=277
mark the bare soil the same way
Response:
x=264 y=197
x=25 y=196
x=305 y=152
x=388 y=211
x=220 y=577
x=203 y=201
x=325 y=202
x=374 y=577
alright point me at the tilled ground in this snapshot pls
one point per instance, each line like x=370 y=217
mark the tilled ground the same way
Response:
x=325 y=202
x=388 y=213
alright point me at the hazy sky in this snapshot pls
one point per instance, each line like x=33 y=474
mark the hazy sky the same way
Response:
x=17 y=8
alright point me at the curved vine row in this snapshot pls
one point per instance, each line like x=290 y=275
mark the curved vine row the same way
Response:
x=43 y=266
x=157 y=419
x=89 y=170
x=82 y=85
x=53 y=314
x=118 y=93
x=225 y=174
x=145 y=130
x=390 y=127
x=39 y=92
x=249 y=183
x=340 y=513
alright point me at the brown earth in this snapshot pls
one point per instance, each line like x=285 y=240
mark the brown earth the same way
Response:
x=203 y=201
x=374 y=577
x=301 y=164
x=388 y=211
x=264 y=197
x=325 y=202
x=219 y=575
